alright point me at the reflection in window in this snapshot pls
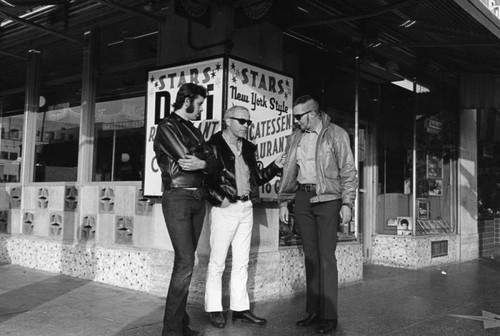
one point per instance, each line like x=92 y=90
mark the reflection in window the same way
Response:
x=56 y=151
x=11 y=146
x=488 y=157
x=119 y=140
x=58 y=121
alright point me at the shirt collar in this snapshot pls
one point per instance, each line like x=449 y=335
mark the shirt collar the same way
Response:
x=317 y=129
x=236 y=144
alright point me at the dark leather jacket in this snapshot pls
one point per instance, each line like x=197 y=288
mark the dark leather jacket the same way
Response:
x=222 y=183
x=175 y=138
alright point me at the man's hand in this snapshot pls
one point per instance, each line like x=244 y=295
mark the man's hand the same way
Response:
x=280 y=160
x=284 y=214
x=191 y=163
x=345 y=214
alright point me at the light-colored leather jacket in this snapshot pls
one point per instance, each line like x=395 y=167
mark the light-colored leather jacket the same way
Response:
x=336 y=176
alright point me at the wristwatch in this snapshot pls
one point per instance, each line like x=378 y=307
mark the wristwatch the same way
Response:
x=347 y=205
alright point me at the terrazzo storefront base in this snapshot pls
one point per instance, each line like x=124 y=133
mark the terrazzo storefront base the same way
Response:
x=414 y=251
x=271 y=274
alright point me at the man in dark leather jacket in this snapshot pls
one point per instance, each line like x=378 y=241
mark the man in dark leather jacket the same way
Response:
x=231 y=191
x=184 y=160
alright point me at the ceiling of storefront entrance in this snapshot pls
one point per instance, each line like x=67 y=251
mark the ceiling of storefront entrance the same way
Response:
x=425 y=39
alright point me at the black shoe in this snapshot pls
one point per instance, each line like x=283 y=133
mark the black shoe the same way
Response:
x=327 y=327
x=247 y=315
x=217 y=319
x=310 y=320
x=190 y=332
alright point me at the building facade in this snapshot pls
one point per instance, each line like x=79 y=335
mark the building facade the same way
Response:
x=73 y=113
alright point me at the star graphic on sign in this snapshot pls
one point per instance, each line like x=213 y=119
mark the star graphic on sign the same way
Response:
x=152 y=79
x=217 y=66
x=233 y=66
x=234 y=79
x=490 y=320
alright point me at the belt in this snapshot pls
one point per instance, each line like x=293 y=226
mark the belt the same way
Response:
x=310 y=188
x=243 y=198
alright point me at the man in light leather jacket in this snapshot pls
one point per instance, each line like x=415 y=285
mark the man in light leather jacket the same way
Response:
x=184 y=160
x=231 y=191
x=321 y=177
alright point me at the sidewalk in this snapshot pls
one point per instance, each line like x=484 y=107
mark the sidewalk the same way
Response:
x=389 y=301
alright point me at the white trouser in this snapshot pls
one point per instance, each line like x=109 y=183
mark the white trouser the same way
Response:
x=229 y=226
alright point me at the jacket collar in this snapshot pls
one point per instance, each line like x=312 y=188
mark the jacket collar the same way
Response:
x=325 y=120
x=218 y=140
x=180 y=119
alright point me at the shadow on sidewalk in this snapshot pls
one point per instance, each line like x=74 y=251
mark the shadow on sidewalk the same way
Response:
x=28 y=297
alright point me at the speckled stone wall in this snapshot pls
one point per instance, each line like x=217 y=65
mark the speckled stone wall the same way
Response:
x=349 y=264
x=271 y=274
x=412 y=251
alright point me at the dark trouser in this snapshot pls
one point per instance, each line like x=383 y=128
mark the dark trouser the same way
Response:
x=317 y=223
x=184 y=211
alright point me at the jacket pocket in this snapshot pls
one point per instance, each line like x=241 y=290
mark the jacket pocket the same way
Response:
x=331 y=170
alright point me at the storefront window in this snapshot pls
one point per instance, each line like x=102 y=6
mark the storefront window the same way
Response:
x=119 y=132
x=435 y=151
x=488 y=157
x=58 y=120
x=11 y=121
x=57 y=133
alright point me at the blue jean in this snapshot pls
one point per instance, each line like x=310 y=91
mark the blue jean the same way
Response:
x=184 y=212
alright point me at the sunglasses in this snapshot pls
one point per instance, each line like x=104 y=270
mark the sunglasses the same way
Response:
x=299 y=116
x=242 y=121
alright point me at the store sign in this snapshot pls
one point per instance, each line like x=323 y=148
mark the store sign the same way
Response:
x=268 y=97
x=433 y=125
x=162 y=88
x=265 y=93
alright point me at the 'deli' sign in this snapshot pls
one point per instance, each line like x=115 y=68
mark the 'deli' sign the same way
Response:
x=265 y=93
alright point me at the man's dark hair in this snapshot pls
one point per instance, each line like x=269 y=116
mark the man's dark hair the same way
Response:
x=303 y=99
x=190 y=91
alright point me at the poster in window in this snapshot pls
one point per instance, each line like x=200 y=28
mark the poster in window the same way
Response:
x=434 y=165
x=404 y=226
x=435 y=187
x=423 y=209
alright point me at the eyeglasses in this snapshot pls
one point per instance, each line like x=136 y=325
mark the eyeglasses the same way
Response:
x=299 y=116
x=242 y=121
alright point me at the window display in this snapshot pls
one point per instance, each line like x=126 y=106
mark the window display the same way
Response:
x=488 y=157
x=12 y=123
x=428 y=136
